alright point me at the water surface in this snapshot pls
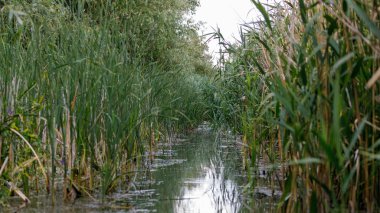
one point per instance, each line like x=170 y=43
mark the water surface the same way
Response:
x=201 y=172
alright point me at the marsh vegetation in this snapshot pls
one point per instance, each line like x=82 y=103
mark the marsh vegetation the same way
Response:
x=89 y=88
x=303 y=84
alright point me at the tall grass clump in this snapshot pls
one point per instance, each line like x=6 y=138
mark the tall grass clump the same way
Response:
x=85 y=86
x=308 y=92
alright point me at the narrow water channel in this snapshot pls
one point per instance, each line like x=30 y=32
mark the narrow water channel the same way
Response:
x=201 y=172
x=196 y=174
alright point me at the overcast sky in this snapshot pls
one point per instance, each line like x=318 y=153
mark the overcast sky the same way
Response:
x=226 y=14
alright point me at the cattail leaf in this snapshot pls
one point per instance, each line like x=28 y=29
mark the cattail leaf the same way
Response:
x=303 y=74
x=357 y=67
x=375 y=145
x=334 y=45
x=364 y=18
x=263 y=43
x=289 y=4
x=328 y=150
x=259 y=66
x=303 y=11
x=325 y=188
x=342 y=61
x=263 y=12
x=314 y=202
x=287 y=191
x=355 y=137
x=332 y=24
x=347 y=180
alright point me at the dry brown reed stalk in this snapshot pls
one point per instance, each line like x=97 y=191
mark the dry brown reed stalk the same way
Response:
x=3 y=165
x=1 y=146
x=79 y=80
x=38 y=158
x=324 y=111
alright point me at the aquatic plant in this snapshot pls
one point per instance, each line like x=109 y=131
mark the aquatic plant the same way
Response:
x=304 y=82
x=86 y=85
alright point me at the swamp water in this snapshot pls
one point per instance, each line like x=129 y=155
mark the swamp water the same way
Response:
x=198 y=173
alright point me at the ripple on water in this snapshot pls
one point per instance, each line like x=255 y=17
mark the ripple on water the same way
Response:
x=198 y=173
x=158 y=163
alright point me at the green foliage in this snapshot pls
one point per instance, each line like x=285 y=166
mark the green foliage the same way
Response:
x=306 y=70
x=86 y=82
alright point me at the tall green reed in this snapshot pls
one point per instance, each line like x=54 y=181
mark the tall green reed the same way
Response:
x=89 y=83
x=310 y=98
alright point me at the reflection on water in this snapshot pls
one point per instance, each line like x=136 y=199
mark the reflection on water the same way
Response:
x=192 y=175
x=198 y=173
x=201 y=174
x=210 y=193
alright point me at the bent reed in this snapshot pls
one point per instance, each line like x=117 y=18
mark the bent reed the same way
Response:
x=302 y=87
x=86 y=86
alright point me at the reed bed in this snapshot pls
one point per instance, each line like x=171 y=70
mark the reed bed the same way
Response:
x=304 y=85
x=87 y=86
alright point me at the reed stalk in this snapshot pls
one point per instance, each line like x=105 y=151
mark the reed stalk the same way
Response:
x=312 y=65
x=87 y=84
